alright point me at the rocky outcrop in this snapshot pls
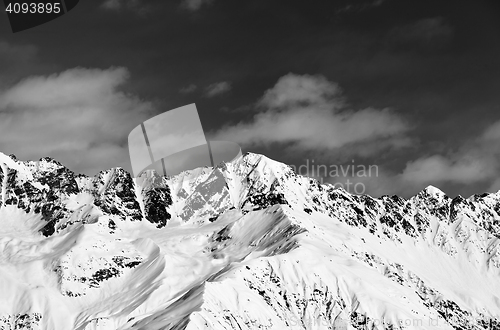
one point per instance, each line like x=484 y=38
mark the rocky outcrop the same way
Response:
x=247 y=245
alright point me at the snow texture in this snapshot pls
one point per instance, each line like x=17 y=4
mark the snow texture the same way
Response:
x=246 y=245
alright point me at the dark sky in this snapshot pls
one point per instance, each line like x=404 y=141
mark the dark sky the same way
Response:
x=412 y=87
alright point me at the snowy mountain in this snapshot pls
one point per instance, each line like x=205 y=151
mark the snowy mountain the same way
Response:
x=247 y=245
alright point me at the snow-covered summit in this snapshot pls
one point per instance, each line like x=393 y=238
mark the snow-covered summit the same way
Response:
x=246 y=245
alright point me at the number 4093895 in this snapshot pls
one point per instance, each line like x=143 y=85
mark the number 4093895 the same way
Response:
x=33 y=8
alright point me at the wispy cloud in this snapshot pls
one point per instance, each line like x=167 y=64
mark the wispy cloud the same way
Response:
x=188 y=89
x=478 y=160
x=217 y=88
x=194 y=5
x=475 y=164
x=438 y=168
x=133 y=5
x=427 y=32
x=78 y=116
x=360 y=6
x=18 y=52
x=310 y=113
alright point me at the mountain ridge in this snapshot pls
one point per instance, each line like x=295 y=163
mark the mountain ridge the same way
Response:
x=304 y=254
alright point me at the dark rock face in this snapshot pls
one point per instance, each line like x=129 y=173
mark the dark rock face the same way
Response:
x=59 y=182
x=21 y=321
x=261 y=201
x=60 y=179
x=157 y=200
x=115 y=194
x=208 y=199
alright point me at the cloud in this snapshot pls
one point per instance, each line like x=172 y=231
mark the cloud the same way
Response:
x=194 y=5
x=360 y=7
x=475 y=166
x=217 y=88
x=17 y=52
x=437 y=168
x=476 y=161
x=113 y=4
x=495 y=186
x=492 y=133
x=427 y=32
x=134 y=5
x=188 y=89
x=310 y=113
x=240 y=109
x=78 y=116
x=292 y=90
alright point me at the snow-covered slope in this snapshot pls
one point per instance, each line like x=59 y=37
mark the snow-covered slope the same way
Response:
x=247 y=245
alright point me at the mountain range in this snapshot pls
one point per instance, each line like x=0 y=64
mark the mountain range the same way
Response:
x=248 y=244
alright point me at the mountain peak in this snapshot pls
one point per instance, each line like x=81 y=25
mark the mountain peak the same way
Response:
x=434 y=191
x=246 y=245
